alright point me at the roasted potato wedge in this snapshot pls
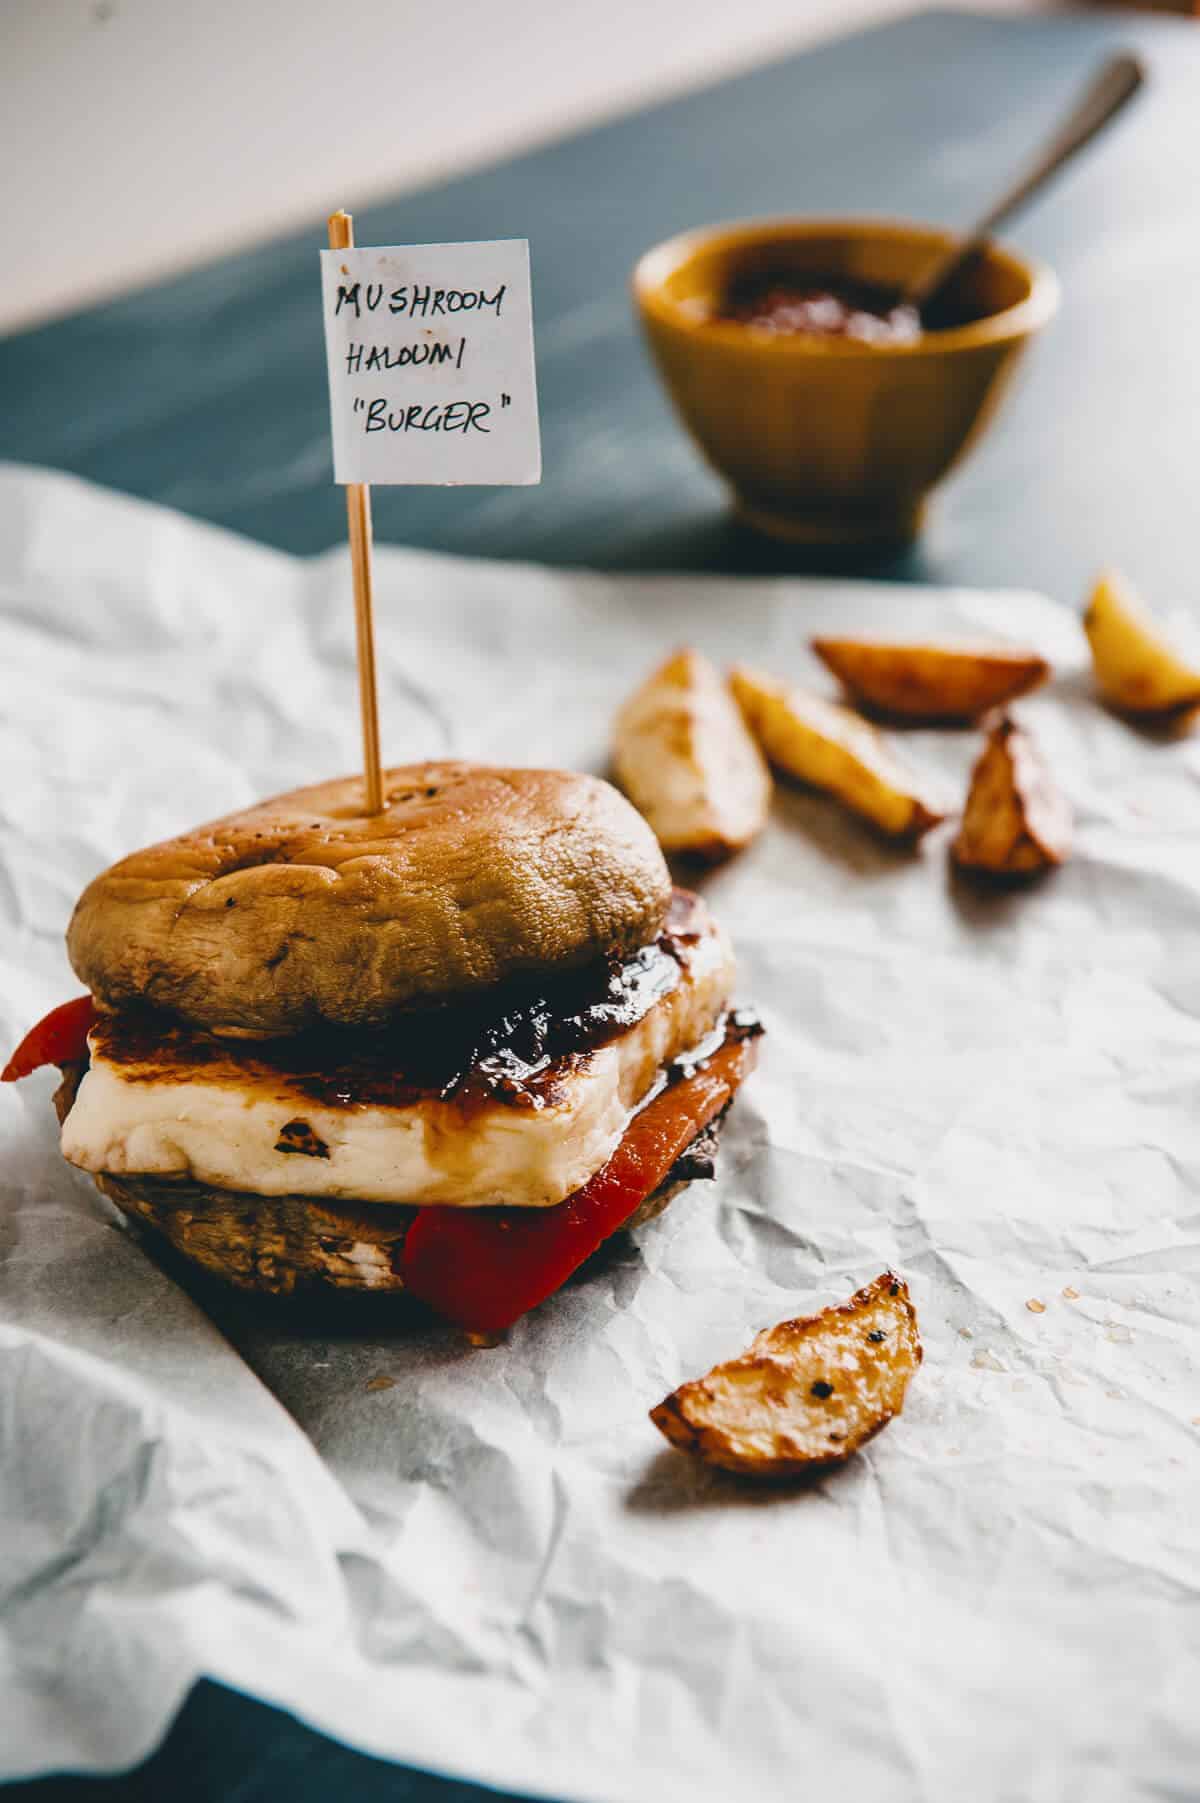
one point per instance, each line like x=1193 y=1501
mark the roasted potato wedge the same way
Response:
x=807 y=1394
x=930 y=682
x=1016 y=822
x=1137 y=669
x=682 y=754
x=810 y=738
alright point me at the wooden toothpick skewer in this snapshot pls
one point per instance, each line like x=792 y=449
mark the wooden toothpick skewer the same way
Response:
x=358 y=516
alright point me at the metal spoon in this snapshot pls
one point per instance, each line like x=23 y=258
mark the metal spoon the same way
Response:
x=1116 y=83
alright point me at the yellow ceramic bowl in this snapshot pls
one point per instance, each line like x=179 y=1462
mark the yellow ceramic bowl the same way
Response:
x=826 y=440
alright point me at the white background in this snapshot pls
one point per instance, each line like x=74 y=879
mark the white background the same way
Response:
x=140 y=136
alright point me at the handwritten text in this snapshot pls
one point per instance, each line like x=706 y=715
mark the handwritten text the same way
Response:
x=452 y=416
x=418 y=301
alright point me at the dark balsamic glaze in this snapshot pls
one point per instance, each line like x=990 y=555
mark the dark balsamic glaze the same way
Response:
x=738 y=1024
x=512 y=1046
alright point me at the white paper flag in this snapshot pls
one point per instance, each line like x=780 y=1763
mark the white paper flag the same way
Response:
x=431 y=370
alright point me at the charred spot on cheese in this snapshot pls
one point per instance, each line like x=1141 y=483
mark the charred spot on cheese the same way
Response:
x=298 y=1136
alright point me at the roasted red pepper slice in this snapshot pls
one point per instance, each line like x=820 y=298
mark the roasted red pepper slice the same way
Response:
x=484 y=1268
x=59 y=1038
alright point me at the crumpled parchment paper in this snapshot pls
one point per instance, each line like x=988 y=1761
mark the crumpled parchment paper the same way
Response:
x=488 y=1561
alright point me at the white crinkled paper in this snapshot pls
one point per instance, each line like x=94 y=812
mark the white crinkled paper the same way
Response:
x=494 y=1566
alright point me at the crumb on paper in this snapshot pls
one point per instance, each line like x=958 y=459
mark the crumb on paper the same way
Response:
x=1117 y=1332
x=986 y=1360
x=382 y=1383
x=1036 y=1306
x=964 y=1333
x=1070 y=1294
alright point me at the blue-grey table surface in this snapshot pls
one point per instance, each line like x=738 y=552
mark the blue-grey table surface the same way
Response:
x=208 y=393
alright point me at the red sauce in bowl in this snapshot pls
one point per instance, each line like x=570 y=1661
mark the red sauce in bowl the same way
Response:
x=785 y=305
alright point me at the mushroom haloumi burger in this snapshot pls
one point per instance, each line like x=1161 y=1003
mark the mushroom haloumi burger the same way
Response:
x=449 y=1049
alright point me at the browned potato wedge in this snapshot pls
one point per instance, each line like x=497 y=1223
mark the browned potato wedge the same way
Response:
x=833 y=749
x=1137 y=668
x=1015 y=822
x=931 y=682
x=682 y=754
x=808 y=1393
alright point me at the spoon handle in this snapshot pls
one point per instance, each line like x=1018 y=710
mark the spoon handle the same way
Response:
x=1118 y=81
